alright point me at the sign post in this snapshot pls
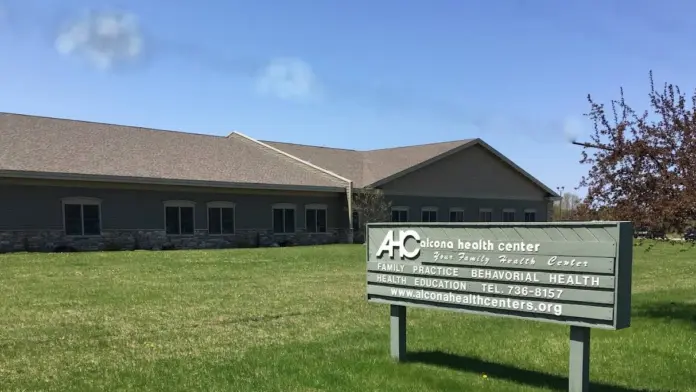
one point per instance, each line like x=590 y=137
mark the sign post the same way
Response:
x=579 y=364
x=398 y=332
x=572 y=273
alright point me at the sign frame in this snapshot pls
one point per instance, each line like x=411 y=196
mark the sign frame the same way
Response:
x=622 y=273
x=580 y=327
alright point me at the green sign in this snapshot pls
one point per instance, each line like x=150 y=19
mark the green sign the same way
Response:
x=575 y=273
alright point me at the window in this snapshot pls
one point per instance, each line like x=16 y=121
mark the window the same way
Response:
x=508 y=215
x=81 y=216
x=429 y=214
x=220 y=217
x=178 y=217
x=530 y=215
x=283 y=218
x=399 y=214
x=456 y=215
x=485 y=215
x=315 y=218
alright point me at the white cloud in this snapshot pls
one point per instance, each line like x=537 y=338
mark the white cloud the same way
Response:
x=288 y=78
x=104 y=39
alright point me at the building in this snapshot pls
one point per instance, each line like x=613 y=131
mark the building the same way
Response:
x=88 y=186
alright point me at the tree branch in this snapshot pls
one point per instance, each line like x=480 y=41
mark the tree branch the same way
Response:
x=597 y=146
x=588 y=145
x=642 y=165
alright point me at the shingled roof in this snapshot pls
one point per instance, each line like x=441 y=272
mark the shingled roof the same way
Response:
x=368 y=167
x=32 y=145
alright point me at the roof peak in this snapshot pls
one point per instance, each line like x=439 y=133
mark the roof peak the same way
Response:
x=371 y=150
x=462 y=141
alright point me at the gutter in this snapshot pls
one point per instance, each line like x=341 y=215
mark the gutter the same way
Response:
x=349 y=183
x=163 y=181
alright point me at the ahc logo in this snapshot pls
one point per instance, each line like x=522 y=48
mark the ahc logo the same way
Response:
x=389 y=244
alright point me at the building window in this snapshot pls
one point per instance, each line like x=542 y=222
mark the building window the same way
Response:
x=399 y=214
x=429 y=214
x=178 y=217
x=485 y=215
x=81 y=216
x=221 y=217
x=508 y=215
x=315 y=218
x=283 y=218
x=530 y=215
x=456 y=215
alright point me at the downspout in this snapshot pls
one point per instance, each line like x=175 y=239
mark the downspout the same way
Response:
x=349 y=188
x=349 y=195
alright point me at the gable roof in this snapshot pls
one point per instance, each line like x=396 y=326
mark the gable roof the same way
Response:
x=386 y=164
x=377 y=167
x=366 y=168
x=33 y=146
x=461 y=147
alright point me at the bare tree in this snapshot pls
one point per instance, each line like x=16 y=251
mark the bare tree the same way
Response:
x=565 y=207
x=570 y=201
x=371 y=206
x=643 y=166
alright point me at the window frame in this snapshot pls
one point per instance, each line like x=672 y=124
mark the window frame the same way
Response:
x=489 y=210
x=400 y=209
x=317 y=207
x=284 y=206
x=508 y=210
x=530 y=210
x=221 y=205
x=179 y=204
x=455 y=210
x=82 y=202
x=429 y=209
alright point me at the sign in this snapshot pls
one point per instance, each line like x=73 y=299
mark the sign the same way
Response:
x=575 y=273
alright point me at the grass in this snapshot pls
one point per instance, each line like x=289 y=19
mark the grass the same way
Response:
x=296 y=319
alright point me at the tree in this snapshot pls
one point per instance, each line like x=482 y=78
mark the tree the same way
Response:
x=643 y=166
x=371 y=205
x=584 y=212
x=565 y=207
x=570 y=201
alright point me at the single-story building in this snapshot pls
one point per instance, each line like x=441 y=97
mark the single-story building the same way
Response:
x=89 y=186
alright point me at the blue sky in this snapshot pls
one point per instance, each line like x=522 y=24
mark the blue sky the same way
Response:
x=354 y=74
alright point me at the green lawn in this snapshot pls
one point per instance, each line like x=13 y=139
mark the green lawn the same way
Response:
x=296 y=319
